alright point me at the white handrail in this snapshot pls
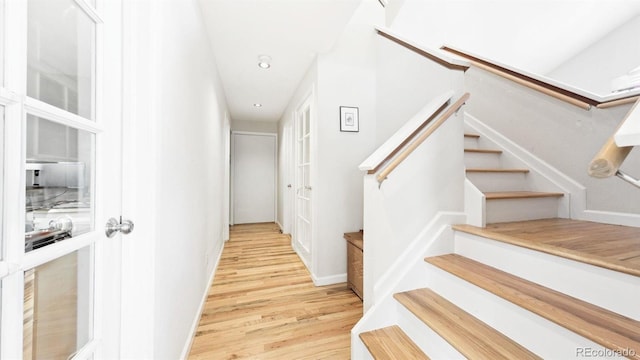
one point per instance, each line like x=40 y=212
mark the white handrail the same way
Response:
x=405 y=132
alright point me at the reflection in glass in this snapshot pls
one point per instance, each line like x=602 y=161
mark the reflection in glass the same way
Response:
x=57 y=307
x=60 y=52
x=59 y=178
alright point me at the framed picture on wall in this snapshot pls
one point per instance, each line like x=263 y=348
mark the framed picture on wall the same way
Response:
x=349 y=121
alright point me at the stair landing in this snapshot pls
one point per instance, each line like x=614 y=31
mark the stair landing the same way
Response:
x=613 y=247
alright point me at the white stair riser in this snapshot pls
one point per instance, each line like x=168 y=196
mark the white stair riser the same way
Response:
x=481 y=160
x=542 y=337
x=608 y=289
x=422 y=335
x=498 y=181
x=521 y=209
x=470 y=142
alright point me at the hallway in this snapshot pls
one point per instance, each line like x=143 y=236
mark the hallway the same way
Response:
x=263 y=304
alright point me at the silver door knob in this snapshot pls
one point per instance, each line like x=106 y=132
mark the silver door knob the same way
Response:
x=113 y=226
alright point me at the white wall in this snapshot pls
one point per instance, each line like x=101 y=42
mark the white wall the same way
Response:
x=347 y=77
x=406 y=82
x=563 y=135
x=344 y=76
x=255 y=126
x=612 y=56
x=177 y=175
x=535 y=35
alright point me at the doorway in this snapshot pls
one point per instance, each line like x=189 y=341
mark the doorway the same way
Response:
x=253 y=190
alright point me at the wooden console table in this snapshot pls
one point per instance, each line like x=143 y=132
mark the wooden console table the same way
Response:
x=355 y=242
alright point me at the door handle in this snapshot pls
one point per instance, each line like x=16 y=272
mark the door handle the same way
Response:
x=113 y=226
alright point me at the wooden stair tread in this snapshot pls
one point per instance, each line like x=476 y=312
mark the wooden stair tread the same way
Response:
x=602 y=326
x=391 y=343
x=571 y=239
x=497 y=170
x=483 y=151
x=472 y=135
x=470 y=336
x=501 y=195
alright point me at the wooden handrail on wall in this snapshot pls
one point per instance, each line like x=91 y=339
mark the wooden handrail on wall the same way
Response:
x=611 y=156
x=535 y=84
x=421 y=138
x=434 y=55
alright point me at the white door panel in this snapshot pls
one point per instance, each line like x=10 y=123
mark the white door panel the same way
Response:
x=254 y=178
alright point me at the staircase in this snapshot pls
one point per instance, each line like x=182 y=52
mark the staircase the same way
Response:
x=529 y=285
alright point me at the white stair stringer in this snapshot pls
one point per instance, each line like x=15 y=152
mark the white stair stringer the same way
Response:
x=407 y=273
x=612 y=290
x=541 y=336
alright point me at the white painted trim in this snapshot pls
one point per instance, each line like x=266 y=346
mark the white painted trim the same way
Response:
x=610 y=217
x=41 y=109
x=328 y=280
x=196 y=321
x=475 y=204
x=415 y=252
x=8 y=97
x=89 y=11
x=382 y=152
x=59 y=249
x=87 y=352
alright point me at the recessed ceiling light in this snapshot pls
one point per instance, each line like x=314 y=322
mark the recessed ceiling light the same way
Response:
x=257 y=105
x=264 y=61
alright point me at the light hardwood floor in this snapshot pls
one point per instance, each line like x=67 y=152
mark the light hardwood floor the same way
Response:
x=263 y=304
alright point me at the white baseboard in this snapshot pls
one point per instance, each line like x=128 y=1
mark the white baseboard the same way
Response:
x=329 y=280
x=194 y=326
x=610 y=217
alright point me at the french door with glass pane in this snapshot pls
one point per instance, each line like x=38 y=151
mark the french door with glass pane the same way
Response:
x=52 y=133
x=303 y=206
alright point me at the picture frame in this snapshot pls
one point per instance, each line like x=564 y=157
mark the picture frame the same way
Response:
x=349 y=119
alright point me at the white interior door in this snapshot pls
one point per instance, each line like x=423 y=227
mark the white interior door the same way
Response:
x=303 y=206
x=254 y=177
x=55 y=166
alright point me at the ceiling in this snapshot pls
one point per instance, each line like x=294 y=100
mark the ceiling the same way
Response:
x=291 y=32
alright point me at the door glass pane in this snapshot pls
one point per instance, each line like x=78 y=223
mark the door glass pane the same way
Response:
x=59 y=182
x=60 y=55
x=58 y=306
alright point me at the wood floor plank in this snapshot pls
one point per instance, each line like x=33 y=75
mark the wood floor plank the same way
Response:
x=602 y=326
x=263 y=304
x=612 y=247
x=473 y=338
x=391 y=343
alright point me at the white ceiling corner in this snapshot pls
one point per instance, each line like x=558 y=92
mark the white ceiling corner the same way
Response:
x=291 y=32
